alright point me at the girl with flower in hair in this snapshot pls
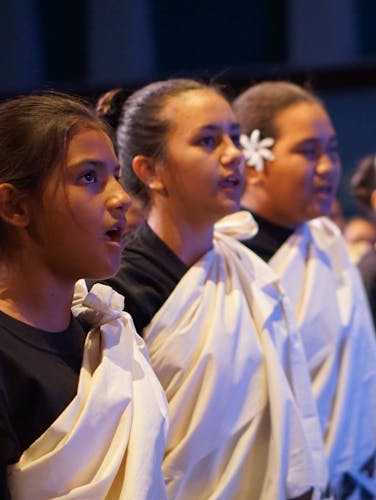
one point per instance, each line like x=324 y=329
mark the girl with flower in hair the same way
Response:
x=291 y=181
x=219 y=333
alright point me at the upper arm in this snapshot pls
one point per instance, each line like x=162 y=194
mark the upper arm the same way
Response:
x=9 y=446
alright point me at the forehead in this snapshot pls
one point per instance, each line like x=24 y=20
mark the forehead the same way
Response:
x=197 y=108
x=89 y=143
x=303 y=120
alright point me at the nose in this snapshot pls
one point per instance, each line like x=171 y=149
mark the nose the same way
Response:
x=118 y=198
x=231 y=154
x=327 y=164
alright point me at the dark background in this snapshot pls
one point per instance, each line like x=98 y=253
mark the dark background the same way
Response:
x=90 y=46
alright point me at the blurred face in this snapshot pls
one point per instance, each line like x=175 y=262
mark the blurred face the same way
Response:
x=302 y=181
x=203 y=170
x=82 y=218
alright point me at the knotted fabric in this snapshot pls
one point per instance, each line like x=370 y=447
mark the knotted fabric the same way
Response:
x=243 y=421
x=109 y=441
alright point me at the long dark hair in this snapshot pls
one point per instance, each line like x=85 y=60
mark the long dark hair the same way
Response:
x=142 y=128
x=34 y=135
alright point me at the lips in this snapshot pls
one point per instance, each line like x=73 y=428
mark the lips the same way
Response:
x=116 y=232
x=326 y=190
x=231 y=181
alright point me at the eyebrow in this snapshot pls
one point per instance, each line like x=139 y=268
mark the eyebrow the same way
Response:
x=95 y=163
x=332 y=138
x=233 y=126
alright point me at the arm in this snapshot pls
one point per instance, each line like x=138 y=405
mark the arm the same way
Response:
x=4 y=492
x=9 y=449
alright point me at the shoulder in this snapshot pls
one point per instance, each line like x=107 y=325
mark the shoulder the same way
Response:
x=249 y=262
x=324 y=227
x=327 y=236
x=147 y=262
x=9 y=444
x=367 y=267
x=148 y=273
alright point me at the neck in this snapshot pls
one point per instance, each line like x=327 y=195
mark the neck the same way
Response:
x=249 y=199
x=259 y=207
x=188 y=241
x=31 y=295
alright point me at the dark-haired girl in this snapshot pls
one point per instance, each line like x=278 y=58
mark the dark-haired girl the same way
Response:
x=81 y=412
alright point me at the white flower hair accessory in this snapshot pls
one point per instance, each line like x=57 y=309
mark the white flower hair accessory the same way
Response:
x=255 y=151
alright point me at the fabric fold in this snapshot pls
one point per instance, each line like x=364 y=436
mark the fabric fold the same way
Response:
x=221 y=348
x=109 y=441
x=339 y=341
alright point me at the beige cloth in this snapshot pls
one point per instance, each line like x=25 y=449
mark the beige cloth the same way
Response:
x=109 y=441
x=221 y=347
x=339 y=340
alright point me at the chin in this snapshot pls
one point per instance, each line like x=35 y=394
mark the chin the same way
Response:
x=231 y=208
x=105 y=271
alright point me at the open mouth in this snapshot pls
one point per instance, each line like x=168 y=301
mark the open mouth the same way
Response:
x=115 y=234
x=231 y=181
x=325 y=190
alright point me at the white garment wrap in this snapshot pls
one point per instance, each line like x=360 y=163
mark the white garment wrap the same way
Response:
x=339 y=341
x=109 y=441
x=221 y=346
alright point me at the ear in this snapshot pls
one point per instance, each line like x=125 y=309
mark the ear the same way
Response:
x=373 y=200
x=13 y=207
x=148 y=171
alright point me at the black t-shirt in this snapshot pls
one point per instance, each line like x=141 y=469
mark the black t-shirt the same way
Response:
x=269 y=238
x=148 y=274
x=39 y=373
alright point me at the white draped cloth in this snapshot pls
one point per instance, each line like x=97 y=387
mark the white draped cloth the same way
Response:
x=110 y=440
x=243 y=420
x=339 y=340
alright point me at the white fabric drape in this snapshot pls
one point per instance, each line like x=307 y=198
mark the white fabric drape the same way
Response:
x=221 y=346
x=109 y=441
x=339 y=340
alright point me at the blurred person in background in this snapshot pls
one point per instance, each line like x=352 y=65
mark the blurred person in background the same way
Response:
x=109 y=108
x=363 y=191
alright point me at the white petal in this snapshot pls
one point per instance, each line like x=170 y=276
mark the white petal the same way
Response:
x=255 y=136
x=267 y=154
x=244 y=141
x=259 y=166
x=267 y=142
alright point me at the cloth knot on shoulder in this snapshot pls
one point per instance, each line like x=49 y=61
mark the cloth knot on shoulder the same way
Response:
x=239 y=225
x=99 y=306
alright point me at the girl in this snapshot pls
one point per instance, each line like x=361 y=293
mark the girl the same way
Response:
x=363 y=191
x=78 y=418
x=210 y=311
x=291 y=181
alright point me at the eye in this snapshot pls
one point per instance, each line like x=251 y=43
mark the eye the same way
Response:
x=333 y=150
x=90 y=177
x=311 y=153
x=208 y=141
x=236 y=140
